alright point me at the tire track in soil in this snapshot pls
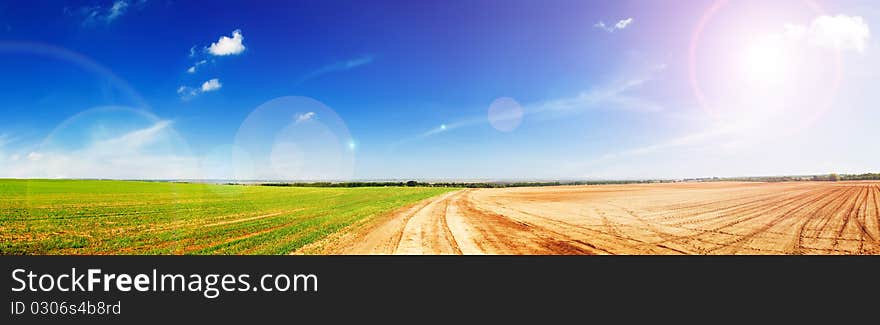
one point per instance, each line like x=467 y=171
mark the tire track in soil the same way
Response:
x=747 y=209
x=427 y=229
x=739 y=241
x=828 y=217
x=848 y=218
x=422 y=231
x=650 y=226
x=766 y=200
x=794 y=212
x=877 y=210
x=446 y=231
x=861 y=220
x=508 y=221
x=798 y=247
x=673 y=238
x=799 y=201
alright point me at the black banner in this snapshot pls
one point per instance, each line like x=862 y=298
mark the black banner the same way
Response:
x=412 y=289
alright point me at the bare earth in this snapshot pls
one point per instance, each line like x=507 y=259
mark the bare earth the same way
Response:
x=679 y=218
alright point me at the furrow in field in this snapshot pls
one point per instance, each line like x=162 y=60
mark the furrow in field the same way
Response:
x=764 y=199
x=813 y=218
x=849 y=227
x=866 y=239
x=759 y=207
x=778 y=219
x=836 y=215
x=876 y=208
x=713 y=229
x=791 y=220
x=790 y=208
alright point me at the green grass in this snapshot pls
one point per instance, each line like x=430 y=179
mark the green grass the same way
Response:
x=129 y=217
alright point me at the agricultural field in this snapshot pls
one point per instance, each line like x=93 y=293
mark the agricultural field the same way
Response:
x=670 y=219
x=128 y=217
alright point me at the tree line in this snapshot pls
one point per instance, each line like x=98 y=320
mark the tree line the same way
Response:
x=456 y=184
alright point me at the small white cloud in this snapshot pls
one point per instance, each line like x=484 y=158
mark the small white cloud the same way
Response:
x=305 y=117
x=187 y=93
x=620 y=94
x=14 y=157
x=620 y=25
x=117 y=10
x=338 y=66
x=836 y=32
x=192 y=69
x=34 y=156
x=99 y=14
x=228 y=46
x=623 y=23
x=211 y=85
x=192 y=51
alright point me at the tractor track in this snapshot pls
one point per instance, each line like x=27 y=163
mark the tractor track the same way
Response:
x=767 y=218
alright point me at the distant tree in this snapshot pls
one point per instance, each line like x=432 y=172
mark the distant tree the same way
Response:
x=833 y=177
x=412 y=183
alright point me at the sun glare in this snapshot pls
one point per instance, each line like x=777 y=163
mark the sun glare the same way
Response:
x=765 y=64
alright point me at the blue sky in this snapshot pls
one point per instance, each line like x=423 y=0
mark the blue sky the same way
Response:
x=436 y=89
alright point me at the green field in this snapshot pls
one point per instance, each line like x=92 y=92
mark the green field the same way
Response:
x=129 y=217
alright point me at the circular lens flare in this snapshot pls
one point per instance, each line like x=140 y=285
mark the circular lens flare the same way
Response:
x=744 y=71
x=295 y=139
x=505 y=114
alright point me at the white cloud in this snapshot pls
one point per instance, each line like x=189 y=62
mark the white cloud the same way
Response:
x=187 y=93
x=339 y=66
x=192 y=51
x=620 y=25
x=615 y=95
x=228 y=46
x=117 y=10
x=147 y=153
x=836 y=32
x=211 y=85
x=623 y=23
x=99 y=14
x=192 y=69
x=133 y=140
x=305 y=117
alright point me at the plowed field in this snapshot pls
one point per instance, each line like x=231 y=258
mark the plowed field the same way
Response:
x=677 y=218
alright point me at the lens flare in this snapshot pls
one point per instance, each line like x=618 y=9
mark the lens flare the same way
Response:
x=745 y=71
x=505 y=114
x=295 y=138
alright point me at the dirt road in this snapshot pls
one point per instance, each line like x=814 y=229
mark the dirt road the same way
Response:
x=681 y=218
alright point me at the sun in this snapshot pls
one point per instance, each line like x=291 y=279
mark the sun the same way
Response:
x=766 y=64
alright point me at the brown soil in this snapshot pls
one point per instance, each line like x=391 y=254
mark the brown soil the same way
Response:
x=678 y=218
